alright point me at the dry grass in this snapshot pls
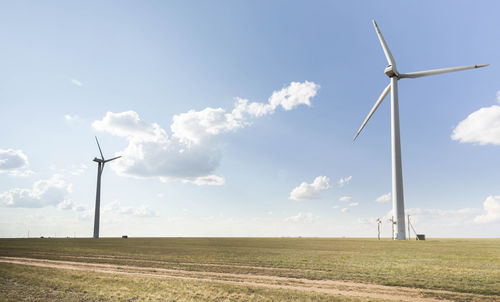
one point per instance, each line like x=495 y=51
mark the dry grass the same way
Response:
x=465 y=265
x=23 y=283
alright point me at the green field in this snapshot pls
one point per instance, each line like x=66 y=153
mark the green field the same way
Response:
x=454 y=269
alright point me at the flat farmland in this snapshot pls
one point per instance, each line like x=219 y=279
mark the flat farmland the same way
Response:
x=249 y=269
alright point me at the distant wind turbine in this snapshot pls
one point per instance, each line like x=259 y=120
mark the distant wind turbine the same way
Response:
x=100 y=167
x=397 y=174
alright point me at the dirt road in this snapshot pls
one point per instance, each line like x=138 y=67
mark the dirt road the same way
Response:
x=333 y=287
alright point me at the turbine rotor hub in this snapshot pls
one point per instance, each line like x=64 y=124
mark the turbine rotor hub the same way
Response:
x=391 y=72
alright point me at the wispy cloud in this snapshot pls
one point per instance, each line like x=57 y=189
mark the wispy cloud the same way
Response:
x=301 y=218
x=116 y=208
x=345 y=198
x=384 y=198
x=76 y=82
x=69 y=117
x=77 y=169
x=344 y=181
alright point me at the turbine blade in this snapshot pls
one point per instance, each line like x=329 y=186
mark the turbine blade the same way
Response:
x=102 y=156
x=425 y=73
x=112 y=159
x=387 y=52
x=379 y=101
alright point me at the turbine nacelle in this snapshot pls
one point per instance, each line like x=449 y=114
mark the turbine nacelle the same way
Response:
x=97 y=160
x=391 y=72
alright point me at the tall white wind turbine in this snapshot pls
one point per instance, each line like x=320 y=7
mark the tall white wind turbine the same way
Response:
x=397 y=174
x=100 y=166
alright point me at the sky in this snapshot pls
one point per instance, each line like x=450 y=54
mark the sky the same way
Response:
x=236 y=118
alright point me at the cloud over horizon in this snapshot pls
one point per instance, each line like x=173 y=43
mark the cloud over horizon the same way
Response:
x=492 y=207
x=301 y=218
x=116 y=207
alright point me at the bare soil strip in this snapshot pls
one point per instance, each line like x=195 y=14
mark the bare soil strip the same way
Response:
x=333 y=287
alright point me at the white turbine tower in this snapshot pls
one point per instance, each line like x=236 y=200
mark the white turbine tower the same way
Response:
x=397 y=174
x=100 y=167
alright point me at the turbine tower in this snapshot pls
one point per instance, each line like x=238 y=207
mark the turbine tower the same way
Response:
x=397 y=174
x=100 y=166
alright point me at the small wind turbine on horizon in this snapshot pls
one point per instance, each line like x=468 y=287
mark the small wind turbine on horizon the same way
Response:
x=397 y=174
x=100 y=167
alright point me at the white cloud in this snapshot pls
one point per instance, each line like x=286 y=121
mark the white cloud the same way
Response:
x=76 y=82
x=345 y=198
x=344 y=181
x=301 y=218
x=128 y=124
x=384 y=198
x=492 y=207
x=117 y=209
x=288 y=98
x=77 y=169
x=310 y=191
x=193 y=127
x=68 y=204
x=14 y=162
x=73 y=169
x=86 y=215
x=69 y=117
x=481 y=126
x=209 y=180
x=335 y=206
x=79 y=208
x=193 y=151
x=47 y=192
x=369 y=221
x=353 y=204
x=344 y=210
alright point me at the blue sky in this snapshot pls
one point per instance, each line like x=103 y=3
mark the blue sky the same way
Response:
x=65 y=65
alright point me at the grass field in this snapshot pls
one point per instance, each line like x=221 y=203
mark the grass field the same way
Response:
x=250 y=269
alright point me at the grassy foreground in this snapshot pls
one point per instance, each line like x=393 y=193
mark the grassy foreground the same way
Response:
x=458 y=265
x=22 y=283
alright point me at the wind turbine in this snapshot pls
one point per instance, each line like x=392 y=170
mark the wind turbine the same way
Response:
x=100 y=166
x=397 y=174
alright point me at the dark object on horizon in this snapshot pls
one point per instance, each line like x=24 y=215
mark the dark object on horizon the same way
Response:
x=124 y=237
x=420 y=237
